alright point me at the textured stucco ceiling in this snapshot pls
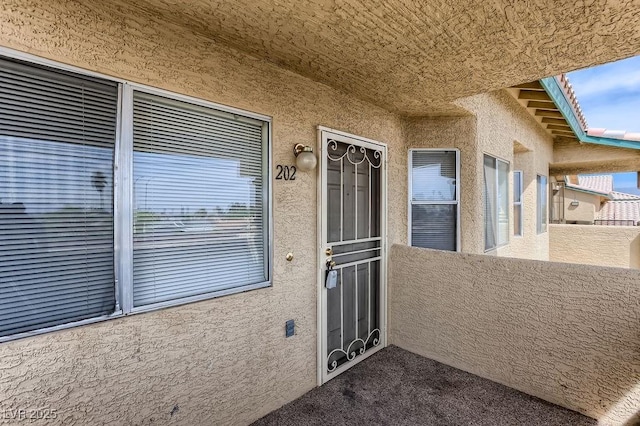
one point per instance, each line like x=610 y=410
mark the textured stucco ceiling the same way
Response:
x=414 y=57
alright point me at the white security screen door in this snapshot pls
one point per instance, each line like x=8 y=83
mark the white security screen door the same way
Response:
x=353 y=210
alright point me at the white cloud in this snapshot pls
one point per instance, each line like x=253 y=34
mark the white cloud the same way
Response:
x=602 y=80
x=610 y=94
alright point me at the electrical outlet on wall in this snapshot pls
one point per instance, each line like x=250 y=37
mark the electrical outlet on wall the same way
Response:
x=290 y=328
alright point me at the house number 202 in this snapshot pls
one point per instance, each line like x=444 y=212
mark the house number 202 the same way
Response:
x=286 y=172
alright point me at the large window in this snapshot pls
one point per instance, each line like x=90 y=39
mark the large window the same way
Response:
x=434 y=201
x=518 y=221
x=187 y=218
x=199 y=219
x=496 y=202
x=541 y=223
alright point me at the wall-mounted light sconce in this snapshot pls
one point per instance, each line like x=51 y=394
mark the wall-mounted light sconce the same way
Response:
x=305 y=158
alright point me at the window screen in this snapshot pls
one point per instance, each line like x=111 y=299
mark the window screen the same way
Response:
x=503 y=202
x=542 y=204
x=198 y=193
x=496 y=202
x=517 y=203
x=57 y=137
x=434 y=199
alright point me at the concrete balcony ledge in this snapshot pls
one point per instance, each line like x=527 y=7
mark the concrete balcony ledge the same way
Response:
x=617 y=246
x=562 y=332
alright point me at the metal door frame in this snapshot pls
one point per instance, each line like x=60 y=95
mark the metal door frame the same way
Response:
x=325 y=133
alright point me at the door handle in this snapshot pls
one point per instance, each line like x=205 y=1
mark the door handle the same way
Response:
x=328 y=251
x=330 y=264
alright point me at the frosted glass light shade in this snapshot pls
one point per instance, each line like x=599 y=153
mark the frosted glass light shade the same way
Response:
x=305 y=158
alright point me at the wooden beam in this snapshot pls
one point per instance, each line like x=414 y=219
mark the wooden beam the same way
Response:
x=542 y=105
x=558 y=127
x=548 y=113
x=559 y=121
x=534 y=85
x=562 y=133
x=571 y=138
x=534 y=95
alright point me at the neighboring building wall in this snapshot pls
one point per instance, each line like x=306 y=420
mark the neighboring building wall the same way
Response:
x=595 y=245
x=565 y=333
x=501 y=122
x=585 y=211
x=221 y=361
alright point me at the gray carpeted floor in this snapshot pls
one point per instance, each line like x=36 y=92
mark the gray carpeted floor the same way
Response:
x=396 y=387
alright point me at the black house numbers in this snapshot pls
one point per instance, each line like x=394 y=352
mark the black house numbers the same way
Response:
x=286 y=172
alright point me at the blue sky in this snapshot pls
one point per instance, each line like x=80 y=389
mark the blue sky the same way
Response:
x=626 y=182
x=610 y=97
x=610 y=94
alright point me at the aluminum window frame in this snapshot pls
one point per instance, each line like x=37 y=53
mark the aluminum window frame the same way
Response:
x=542 y=227
x=519 y=204
x=455 y=202
x=123 y=194
x=497 y=203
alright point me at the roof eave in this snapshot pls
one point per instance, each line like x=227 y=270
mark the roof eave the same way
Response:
x=554 y=90
x=599 y=194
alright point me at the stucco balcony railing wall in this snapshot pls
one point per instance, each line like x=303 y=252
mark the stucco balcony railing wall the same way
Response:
x=565 y=333
x=601 y=245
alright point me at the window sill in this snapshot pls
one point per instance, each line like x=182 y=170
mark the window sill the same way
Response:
x=496 y=248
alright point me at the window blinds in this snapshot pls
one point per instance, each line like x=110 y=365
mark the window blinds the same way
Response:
x=434 y=180
x=57 y=136
x=199 y=214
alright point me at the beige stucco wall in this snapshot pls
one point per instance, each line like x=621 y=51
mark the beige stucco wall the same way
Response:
x=502 y=124
x=595 y=245
x=495 y=124
x=585 y=211
x=223 y=361
x=458 y=133
x=411 y=56
x=571 y=158
x=565 y=333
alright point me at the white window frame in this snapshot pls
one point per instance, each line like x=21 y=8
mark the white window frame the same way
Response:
x=542 y=227
x=519 y=204
x=497 y=203
x=455 y=202
x=123 y=194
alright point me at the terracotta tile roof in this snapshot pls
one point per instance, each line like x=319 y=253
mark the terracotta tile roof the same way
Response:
x=599 y=183
x=602 y=184
x=569 y=93
x=614 y=134
x=620 y=210
x=622 y=196
x=567 y=88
